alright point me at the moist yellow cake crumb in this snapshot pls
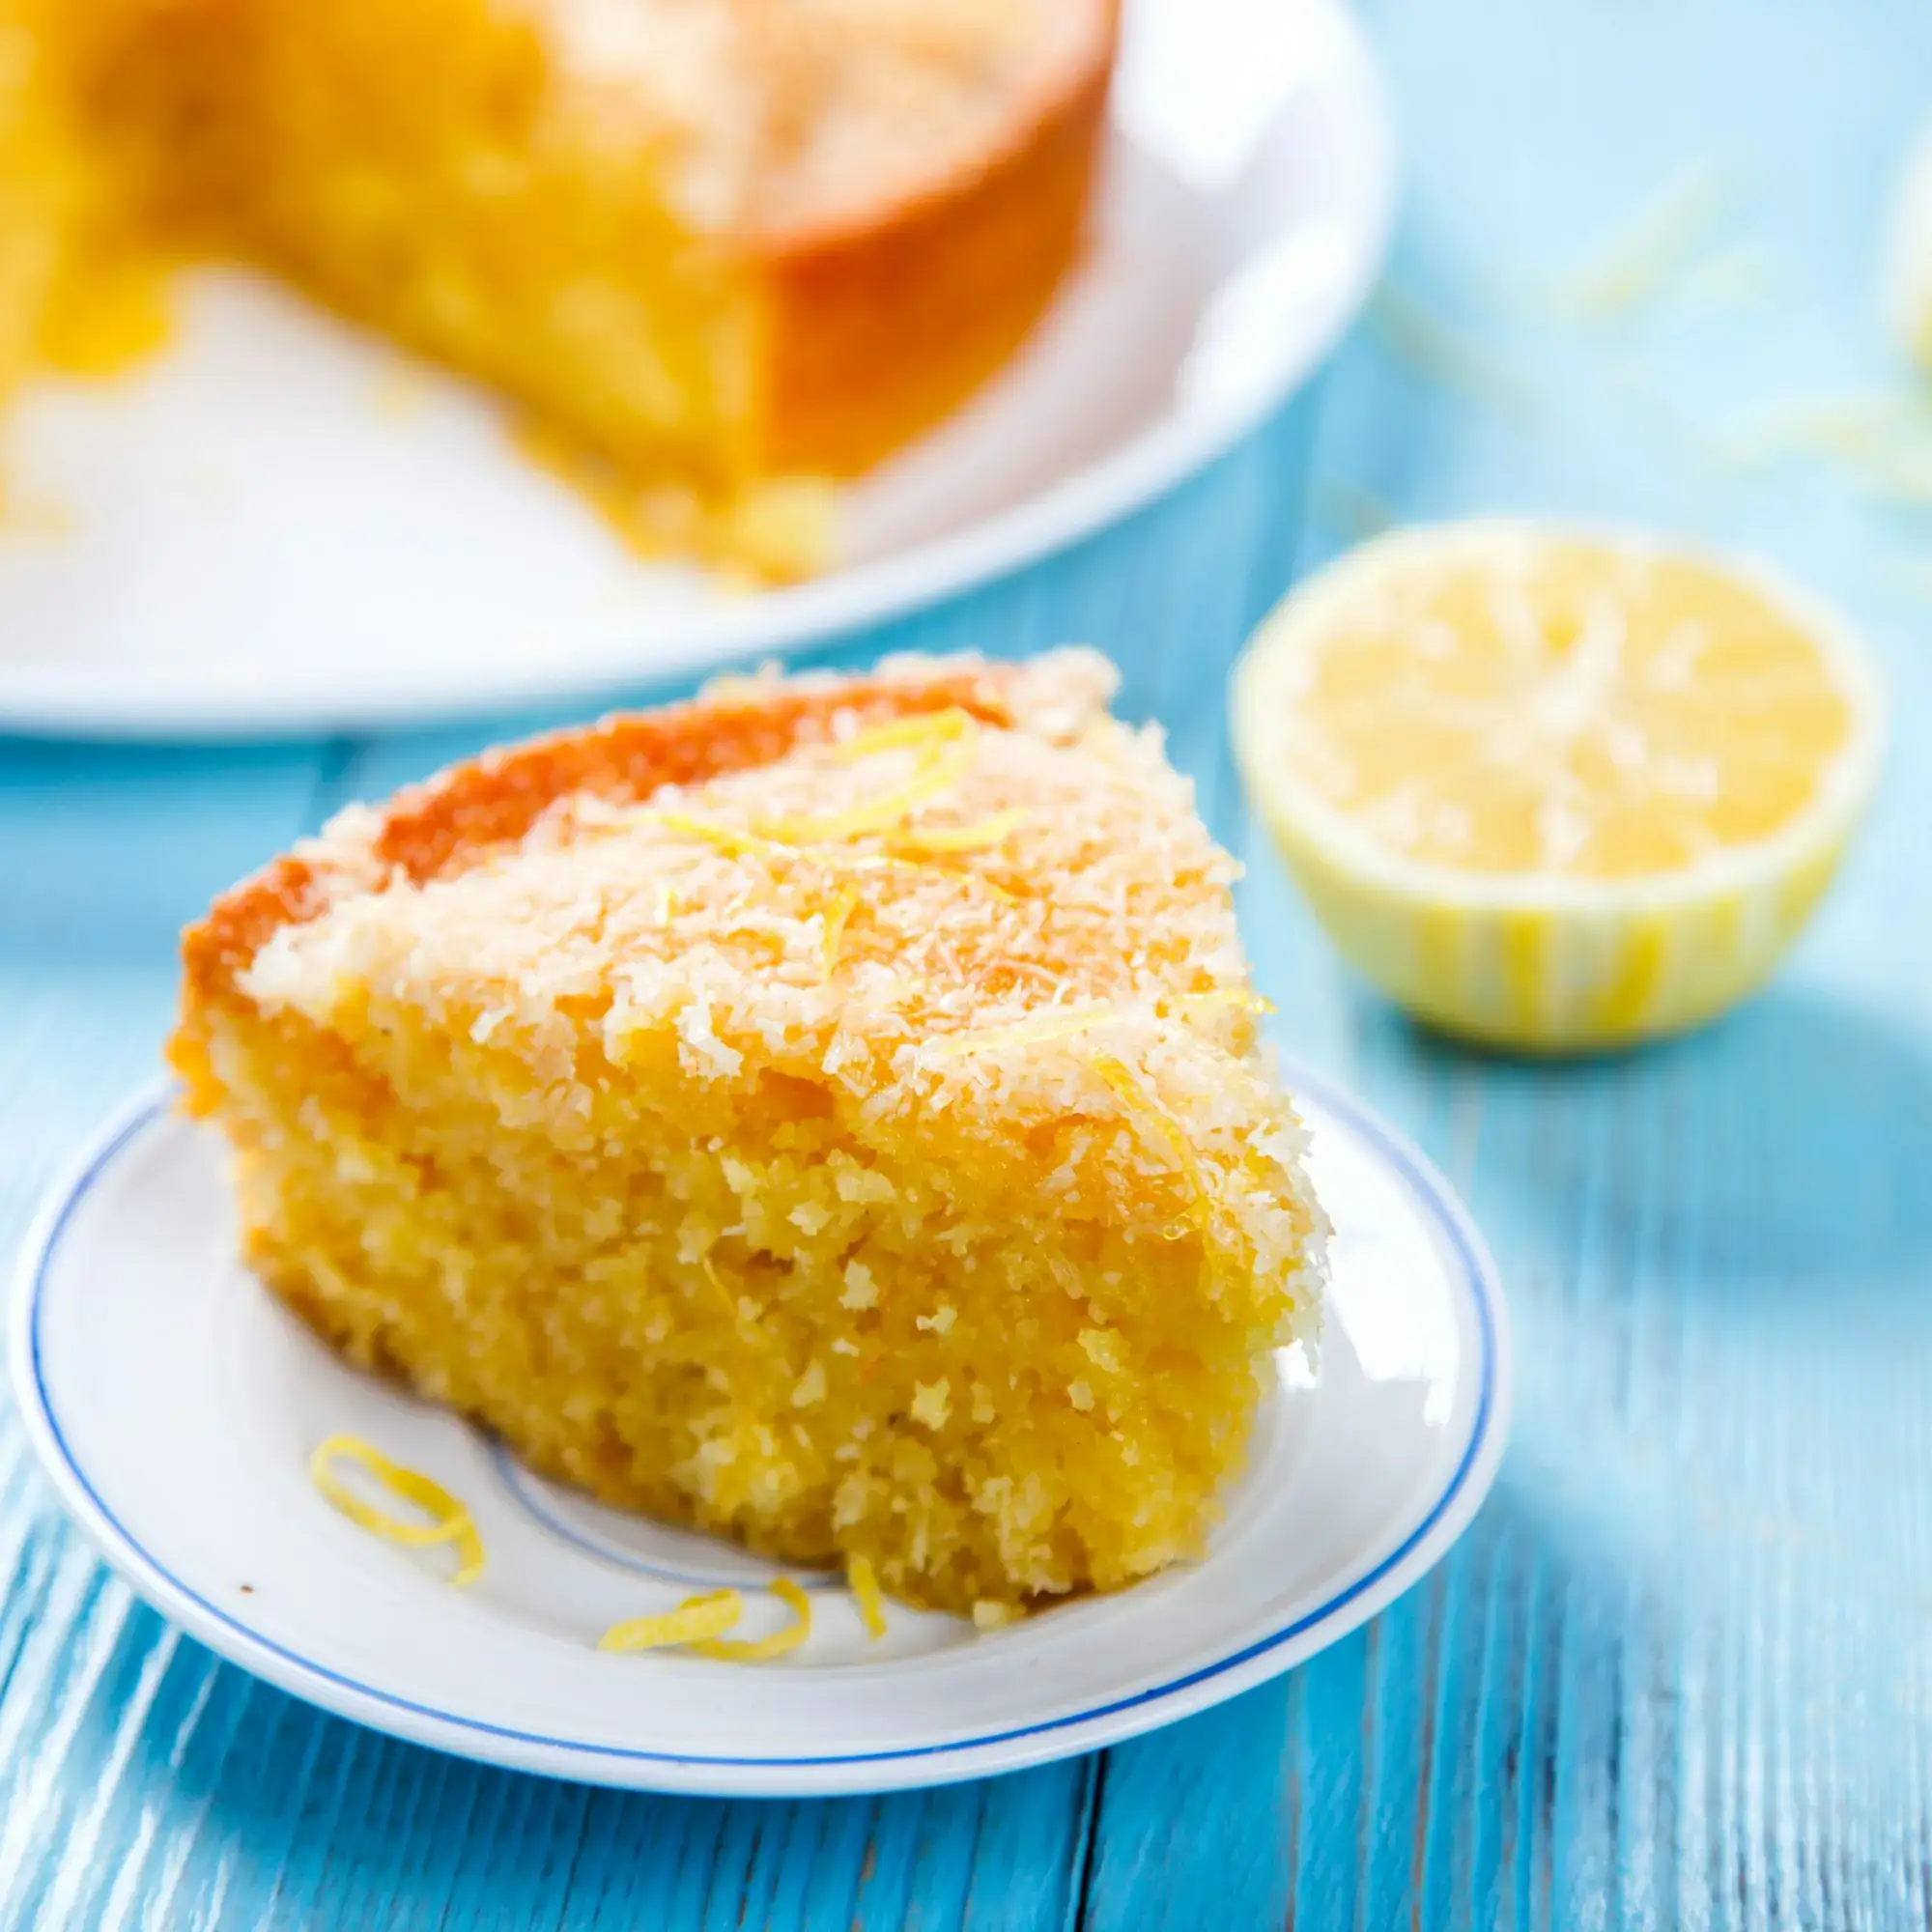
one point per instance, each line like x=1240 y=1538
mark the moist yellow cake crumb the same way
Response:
x=957 y=1247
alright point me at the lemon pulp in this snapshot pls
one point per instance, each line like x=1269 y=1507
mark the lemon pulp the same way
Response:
x=1555 y=788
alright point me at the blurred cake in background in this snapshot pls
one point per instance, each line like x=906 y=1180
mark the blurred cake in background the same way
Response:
x=717 y=251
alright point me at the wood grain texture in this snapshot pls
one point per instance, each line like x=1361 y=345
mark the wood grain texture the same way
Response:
x=1679 y=1674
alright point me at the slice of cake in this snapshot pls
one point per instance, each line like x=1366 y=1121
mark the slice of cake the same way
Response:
x=828 y=1113
x=708 y=245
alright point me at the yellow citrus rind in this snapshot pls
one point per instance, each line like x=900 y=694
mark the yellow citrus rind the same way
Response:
x=1533 y=960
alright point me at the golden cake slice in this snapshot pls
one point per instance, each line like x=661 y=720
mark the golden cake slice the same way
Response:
x=828 y=1113
x=709 y=244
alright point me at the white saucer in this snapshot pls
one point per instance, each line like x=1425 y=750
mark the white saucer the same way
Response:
x=175 y=1406
x=265 y=530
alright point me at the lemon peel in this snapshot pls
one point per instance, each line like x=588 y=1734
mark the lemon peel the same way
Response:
x=982 y=836
x=1020 y=1032
x=762 y=1650
x=747 y=1329
x=738 y=844
x=1147 y=1111
x=863 y=1581
x=937 y=771
x=926 y=728
x=698 y=1624
x=1239 y=998
x=453 y=1522
x=695 y=1620
x=837 y=916
x=1045 y=1027
x=729 y=840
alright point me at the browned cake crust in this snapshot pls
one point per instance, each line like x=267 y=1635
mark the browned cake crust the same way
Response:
x=440 y=826
x=880 y=327
x=882 y=290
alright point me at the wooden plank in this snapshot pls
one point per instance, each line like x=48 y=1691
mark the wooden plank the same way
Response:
x=103 y=854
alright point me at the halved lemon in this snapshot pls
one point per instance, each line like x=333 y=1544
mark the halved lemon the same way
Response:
x=1553 y=788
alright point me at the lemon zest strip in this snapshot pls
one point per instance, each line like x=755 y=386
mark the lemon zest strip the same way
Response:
x=979 y=838
x=759 y=1650
x=1054 y=1026
x=727 y=838
x=694 y=1621
x=1241 y=998
x=748 y=1331
x=838 y=914
x=927 y=727
x=453 y=1522
x=740 y=844
x=938 y=770
x=864 y=1583
x=1146 y=1110
x=1022 y=1033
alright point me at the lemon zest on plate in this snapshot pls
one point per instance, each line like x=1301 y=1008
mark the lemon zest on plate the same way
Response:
x=695 y=1620
x=761 y=1650
x=453 y=1522
x=864 y=1583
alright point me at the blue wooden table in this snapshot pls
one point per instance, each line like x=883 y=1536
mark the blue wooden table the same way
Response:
x=1680 y=1672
